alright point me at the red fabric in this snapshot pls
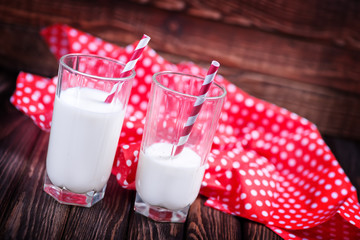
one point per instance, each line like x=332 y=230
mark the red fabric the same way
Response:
x=266 y=164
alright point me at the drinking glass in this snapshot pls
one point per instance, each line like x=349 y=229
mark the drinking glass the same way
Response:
x=167 y=182
x=85 y=129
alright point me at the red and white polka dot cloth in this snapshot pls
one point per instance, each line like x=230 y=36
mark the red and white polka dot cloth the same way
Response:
x=266 y=164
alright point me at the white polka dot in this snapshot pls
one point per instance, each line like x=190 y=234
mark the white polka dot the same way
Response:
x=331 y=175
x=264 y=213
x=27 y=90
x=47 y=99
x=249 y=102
x=259 y=107
x=73 y=33
x=129 y=124
x=42 y=117
x=239 y=97
x=32 y=108
x=136 y=152
x=290 y=147
x=243 y=196
x=248 y=206
x=270 y=113
x=26 y=99
x=83 y=39
x=155 y=68
x=324 y=199
x=126 y=146
x=228 y=174
x=231 y=88
x=236 y=164
x=135 y=99
x=248 y=182
x=146 y=62
x=244 y=158
x=139 y=131
x=235 y=109
x=314 y=205
x=108 y=47
x=338 y=182
x=76 y=46
x=128 y=163
x=51 y=89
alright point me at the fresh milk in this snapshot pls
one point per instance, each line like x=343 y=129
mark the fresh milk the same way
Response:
x=172 y=183
x=83 y=140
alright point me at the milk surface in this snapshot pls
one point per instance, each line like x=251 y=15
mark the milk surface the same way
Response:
x=83 y=139
x=173 y=183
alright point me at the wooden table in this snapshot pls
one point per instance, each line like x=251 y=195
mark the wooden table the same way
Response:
x=27 y=212
x=303 y=56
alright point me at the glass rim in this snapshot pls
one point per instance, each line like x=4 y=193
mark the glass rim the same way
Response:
x=62 y=63
x=186 y=94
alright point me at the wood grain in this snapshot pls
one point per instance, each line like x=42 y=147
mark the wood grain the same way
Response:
x=253 y=230
x=141 y=227
x=108 y=218
x=334 y=112
x=333 y=20
x=207 y=223
x=347 y=152
x=244 y=48
x=22 y=165
x=307 y=75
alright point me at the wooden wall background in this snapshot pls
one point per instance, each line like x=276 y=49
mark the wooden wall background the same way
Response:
x=303 y=55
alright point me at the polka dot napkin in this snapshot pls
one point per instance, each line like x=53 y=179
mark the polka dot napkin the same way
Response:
x=266 y=164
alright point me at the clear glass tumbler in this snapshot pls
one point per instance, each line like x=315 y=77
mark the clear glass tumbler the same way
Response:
x=168 y=183
x=85 y=129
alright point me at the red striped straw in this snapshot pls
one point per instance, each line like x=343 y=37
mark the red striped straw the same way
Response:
x=130 y=65
x=197 y=106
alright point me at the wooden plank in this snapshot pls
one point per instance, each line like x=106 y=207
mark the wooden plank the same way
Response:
x=254 y=230
x=25 y=50
x=207 y=223
x=244 y=48
x=334 y=112
x=141 y=227
x=108 y=218
x=334 y=20
x=22 y=172
x=347 y=152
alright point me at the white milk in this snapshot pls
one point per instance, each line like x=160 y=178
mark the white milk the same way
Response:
x=83 y=140
x=170 y=183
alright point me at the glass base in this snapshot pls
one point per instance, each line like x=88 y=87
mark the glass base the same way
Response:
x=64 y=196
x=160 y=214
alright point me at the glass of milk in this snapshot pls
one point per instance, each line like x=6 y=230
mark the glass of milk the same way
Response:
x=167 y=184
x=85 y=129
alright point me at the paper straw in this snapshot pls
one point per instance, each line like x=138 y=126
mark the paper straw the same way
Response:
x=197 y=106
x=130 y=65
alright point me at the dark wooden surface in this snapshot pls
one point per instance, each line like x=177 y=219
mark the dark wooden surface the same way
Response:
x=301 y=55
x=27 y=212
